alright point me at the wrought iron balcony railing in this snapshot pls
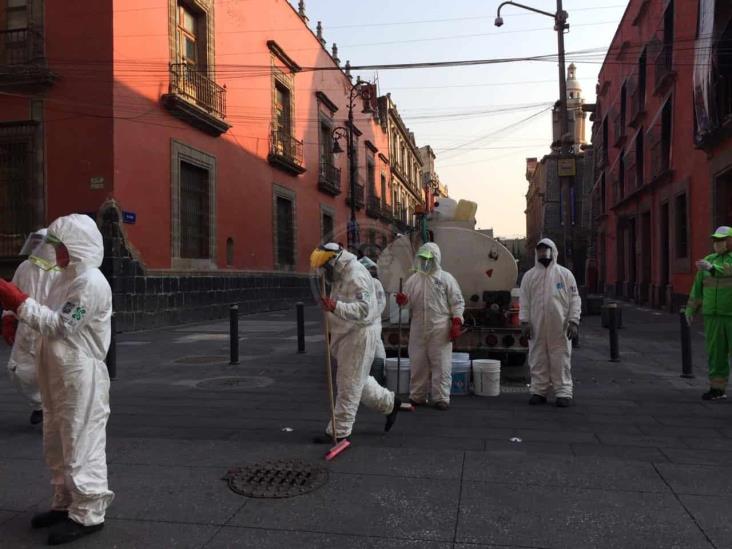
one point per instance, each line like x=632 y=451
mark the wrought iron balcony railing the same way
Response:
x=329 y=179
x=663 y=65
x=284 y=145
x=359 y=192
x=191 y=83
x=20 y=47
x=373 y=206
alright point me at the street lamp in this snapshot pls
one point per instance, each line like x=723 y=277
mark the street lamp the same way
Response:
x=364 y=90
x=560 y=25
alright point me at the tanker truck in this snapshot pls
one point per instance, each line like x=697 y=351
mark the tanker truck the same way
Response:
x=486 y=272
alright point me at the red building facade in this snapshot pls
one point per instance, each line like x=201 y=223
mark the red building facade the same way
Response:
x=200 y=134
x=662 y=179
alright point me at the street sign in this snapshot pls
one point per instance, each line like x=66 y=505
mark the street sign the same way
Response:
x=129 y=217
x=567 y=167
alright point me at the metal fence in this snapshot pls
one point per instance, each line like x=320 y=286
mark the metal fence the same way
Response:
x=20 y=46
x=192 y=83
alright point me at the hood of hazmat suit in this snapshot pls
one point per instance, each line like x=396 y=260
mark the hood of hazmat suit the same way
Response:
x=34 y=282
x=434 y=299
x=549 y=301
x=355 y=330
x=75 y=328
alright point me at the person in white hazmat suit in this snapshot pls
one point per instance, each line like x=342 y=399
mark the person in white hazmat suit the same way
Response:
x=549 y=314
x=437 y=306
x=34 y=282
x=355 y=328
x=75 y=329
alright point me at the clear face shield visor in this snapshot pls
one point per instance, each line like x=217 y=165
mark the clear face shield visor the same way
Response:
x=44 y=254
x=31 y=243
x=425 y=262
x=545 y=255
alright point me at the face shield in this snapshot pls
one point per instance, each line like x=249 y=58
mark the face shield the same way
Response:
x=323 y=259
x=31 y=243
x=50 y=254
x=425 y=262
x=545 y=255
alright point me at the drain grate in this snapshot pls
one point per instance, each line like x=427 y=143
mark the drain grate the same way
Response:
x=241 y=383
x=282 y=478
x=213 y=359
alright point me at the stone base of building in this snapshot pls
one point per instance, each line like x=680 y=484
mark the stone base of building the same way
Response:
x=145 y=299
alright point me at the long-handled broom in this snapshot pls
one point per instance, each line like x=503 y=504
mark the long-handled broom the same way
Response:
x=338 y=447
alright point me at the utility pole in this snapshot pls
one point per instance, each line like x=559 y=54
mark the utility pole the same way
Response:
x=565 y=182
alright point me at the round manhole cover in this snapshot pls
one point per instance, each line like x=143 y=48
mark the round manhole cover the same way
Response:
x=211 y=359
x=282 y=478
x=240 y=383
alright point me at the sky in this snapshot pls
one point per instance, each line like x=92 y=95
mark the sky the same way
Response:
x=482 y=121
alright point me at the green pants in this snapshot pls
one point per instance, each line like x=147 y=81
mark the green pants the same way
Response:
x=718 y=336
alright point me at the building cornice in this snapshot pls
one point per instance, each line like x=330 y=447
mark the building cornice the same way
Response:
x=278 y=52
x=327 y=103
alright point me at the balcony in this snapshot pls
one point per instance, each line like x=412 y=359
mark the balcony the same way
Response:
x=386 y=214
x=719 y=126
x=285 y=152
x=373 y=207
x=359 y=202
x=22 y=60
x=329 y=180
x=195 y=98
x=663 y=65
x=631 y=172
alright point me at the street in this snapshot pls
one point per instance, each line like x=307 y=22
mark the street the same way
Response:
x=639 y=461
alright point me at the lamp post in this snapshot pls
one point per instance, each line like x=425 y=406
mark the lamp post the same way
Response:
x=364 y=90
x=560 y=25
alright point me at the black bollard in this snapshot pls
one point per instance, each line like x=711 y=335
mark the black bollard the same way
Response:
x=300 y=327
x=112 y=352
x=612 y=312
x=234 y=335
x=686 y=366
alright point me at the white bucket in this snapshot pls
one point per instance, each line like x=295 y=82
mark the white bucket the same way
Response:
x=391 y=375
x=487 y=377
x=460 y=357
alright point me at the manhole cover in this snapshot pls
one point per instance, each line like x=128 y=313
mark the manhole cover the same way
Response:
x=283 y=478
x=241 y=383
x=212 y=359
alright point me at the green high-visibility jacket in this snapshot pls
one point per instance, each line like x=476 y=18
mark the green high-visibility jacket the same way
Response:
x=712 y=290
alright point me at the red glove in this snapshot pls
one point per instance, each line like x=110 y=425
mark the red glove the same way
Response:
x=10 y=296
x=455 y=329
x=402 y=299
x=9 y=326
x=328 y=304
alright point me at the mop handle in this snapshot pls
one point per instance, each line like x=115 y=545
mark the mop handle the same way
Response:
x=399 y=345
x=328 y=369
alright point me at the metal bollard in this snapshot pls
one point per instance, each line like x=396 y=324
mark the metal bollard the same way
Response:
x=612 y=312
x=111 y=359
x=686 y=366
x=234 y=335
x=300 y=327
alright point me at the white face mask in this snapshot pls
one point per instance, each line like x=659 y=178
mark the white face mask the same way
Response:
x=720 y=246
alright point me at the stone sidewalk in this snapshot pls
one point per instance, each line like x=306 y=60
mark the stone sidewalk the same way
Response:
x=640 y=461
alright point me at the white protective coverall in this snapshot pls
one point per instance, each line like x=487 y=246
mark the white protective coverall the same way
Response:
x=75 y=328
x=434 y=299
x=381 y=303
x=549 y=301
x=355 y=328
x=34 y=282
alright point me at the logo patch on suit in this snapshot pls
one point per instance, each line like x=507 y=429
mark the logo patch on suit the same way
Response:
x=560 y=285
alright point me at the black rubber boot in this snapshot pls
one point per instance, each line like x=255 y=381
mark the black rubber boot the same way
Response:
x=563 y=402
x=714 y=394
x=70 y=530
x=392 y=417
x=326 y=439
x=442 y=406
x=49 y=518
x=537 y=399
x=36 y=417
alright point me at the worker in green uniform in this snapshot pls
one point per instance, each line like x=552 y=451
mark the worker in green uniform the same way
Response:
x=712 y=292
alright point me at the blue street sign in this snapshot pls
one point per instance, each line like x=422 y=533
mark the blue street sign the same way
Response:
x=129 y=217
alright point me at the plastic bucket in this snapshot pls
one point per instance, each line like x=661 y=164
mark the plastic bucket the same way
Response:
x=487 y=377
x=391 y=375
x=460 y=357
x=460 y=378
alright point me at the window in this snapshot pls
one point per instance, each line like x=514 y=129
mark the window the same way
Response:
x=371 y=177
x=285 y=233
x=623 y=107
x=15 y=187
x=603 y=203
x=326 y=226
x=383 y=190
x=194 y=211
x=682 y=229
x=639 y=163
x=283 y=106
x=666 y=136
x=17 y=14
x=326 y=146
x=621 y=177
x=229 y=252
x=190 y=40
x=723 y=199
x=642 y=80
